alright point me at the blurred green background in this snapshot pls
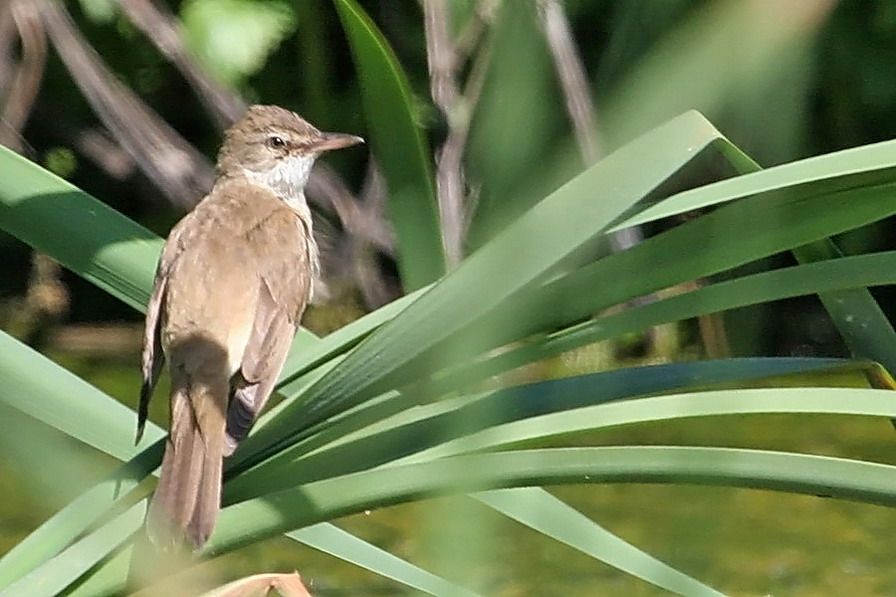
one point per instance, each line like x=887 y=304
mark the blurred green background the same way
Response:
x=783 y=80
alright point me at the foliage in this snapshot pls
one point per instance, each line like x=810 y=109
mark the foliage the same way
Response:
x=417 y=399
x=212 y=27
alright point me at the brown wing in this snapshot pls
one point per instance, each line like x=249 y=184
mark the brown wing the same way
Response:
x=282 y=254
x=153 y=358
x=265 y=355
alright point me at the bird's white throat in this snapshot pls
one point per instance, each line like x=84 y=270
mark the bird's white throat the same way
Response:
x=286 y=179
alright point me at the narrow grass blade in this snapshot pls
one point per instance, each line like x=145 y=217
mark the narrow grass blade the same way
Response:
x=410 y=433
x=851 y=168
x=58 y=573
x=253 y=520
x=859 y=319
x=76 y=518
x=108 y=579
x=546 y=514
x=751 y=236
x=839 y=401
x=345 y=546
x=44 y=390
x=83 y=234
x=813 y=278
x=855 y=313
x=753 y=228
x=256 y=519
x=579 y=403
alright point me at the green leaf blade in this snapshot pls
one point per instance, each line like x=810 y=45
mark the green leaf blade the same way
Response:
x=255 y=519
x=546 y=514
x=336 y=542
x=398 y=145
x=83 y=234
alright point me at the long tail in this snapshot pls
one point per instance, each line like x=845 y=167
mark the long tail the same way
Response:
x=188 y=496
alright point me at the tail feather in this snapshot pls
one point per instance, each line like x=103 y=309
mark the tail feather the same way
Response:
x=188 y=496
x=208 y=500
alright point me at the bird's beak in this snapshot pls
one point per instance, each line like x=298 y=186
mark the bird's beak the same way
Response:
x=331 y=141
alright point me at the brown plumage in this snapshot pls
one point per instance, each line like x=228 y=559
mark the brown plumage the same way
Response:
x=230 y=289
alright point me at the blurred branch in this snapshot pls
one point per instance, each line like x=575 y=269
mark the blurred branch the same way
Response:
x=441 y=58
x=468 y=38
x=714 y=335
x=356 y=218
x=579 y=106
x=459 y=134
x=573 y=79
x=375 y=289
x=104 y=152
x=93 y=142
x=107 y=339
x=366 y=233
x=8 y=35
x=27 y=74
x=174 y=166
x=444 y=58
x=574 y=83
x=373 y=189
x=440 y=54
x=46 y=301
x=161 y=28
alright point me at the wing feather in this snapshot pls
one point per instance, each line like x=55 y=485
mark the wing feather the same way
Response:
x=281 y=252
x=153 y=358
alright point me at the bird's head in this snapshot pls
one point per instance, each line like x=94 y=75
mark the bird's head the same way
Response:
x=276 y=147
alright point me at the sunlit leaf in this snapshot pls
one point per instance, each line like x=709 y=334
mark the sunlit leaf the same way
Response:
x=212 y=26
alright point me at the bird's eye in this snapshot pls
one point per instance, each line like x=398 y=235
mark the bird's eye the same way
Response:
x=276 y=142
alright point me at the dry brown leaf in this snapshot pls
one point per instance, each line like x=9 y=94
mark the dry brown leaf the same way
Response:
x=288 y=585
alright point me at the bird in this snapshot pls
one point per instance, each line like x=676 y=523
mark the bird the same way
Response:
x=230 y=288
